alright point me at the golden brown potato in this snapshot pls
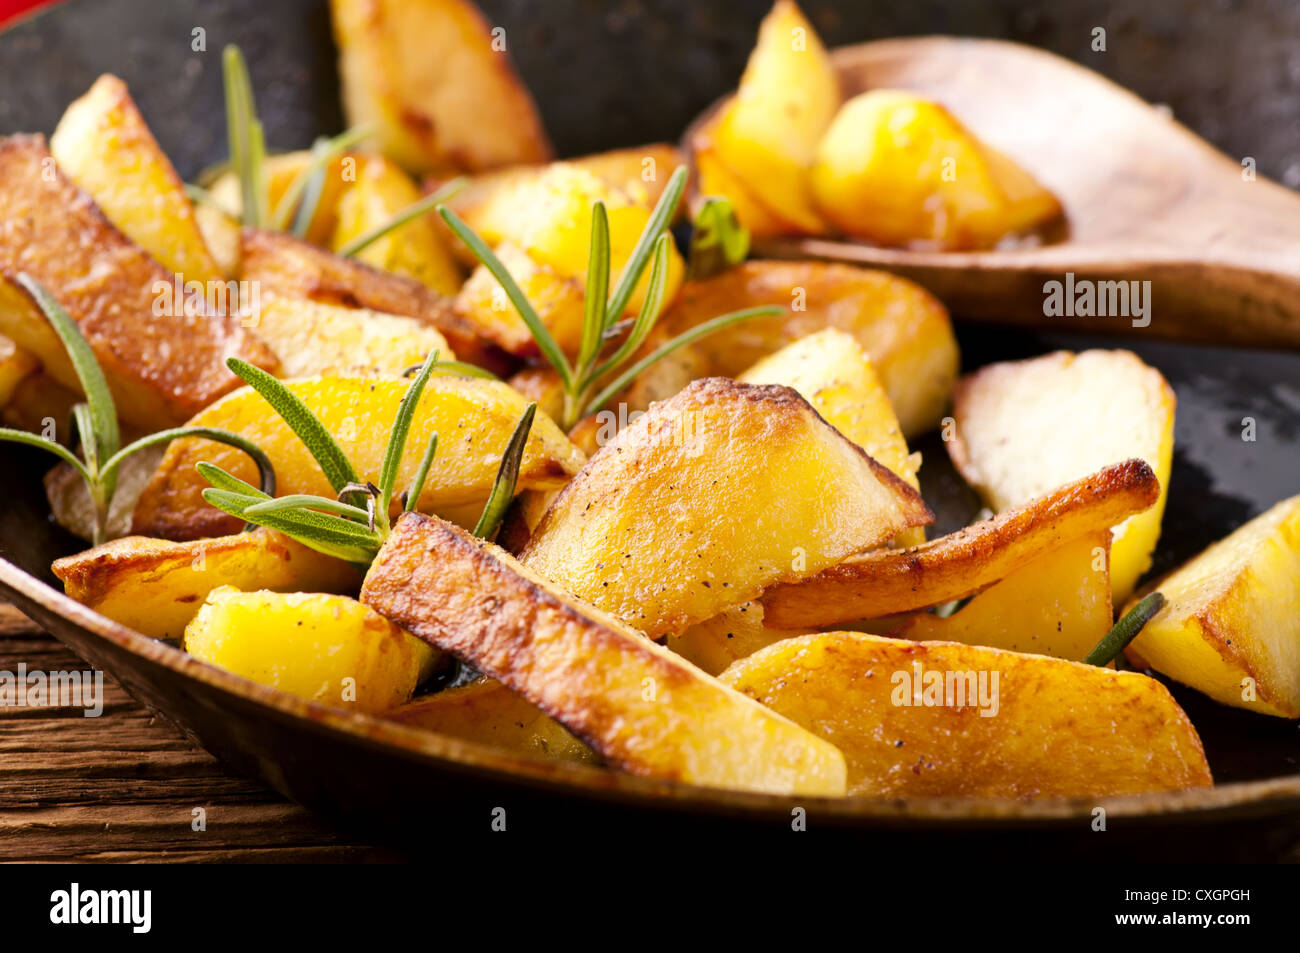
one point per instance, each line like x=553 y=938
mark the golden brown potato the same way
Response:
x=488 y=713
x=713 y=177
x=1024 y=427
x=639 y=706
x=324 y=648
x=902 y=327
x=437 y=84
x=416 y=249
x=886 y=582
x=897 y=169
x=103 y=145
x=710 y=498
x=162 y=368
x=1056 y=604
x=311 y=338
x=936 y=719
x=16 y=365
x=558 y=300
x=40 y=404
x=1231 y=624
x=473 y=418
x=768 y=133
x=155 y=586
x=221 y=235
x=281 y=172
x=542 y=385
x=283 y=265
x=734 y=634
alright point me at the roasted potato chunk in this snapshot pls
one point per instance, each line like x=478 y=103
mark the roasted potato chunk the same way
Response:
x=488 y=713
x=16 y=365
x=324 y=648
x=888 y=582
x=162 y=368
x=708 y=499
x=437 y=85
x=713 y=177
x=914 y=719
x=472 y=417
x=734 y=634
x=103 y=145
x=281 y=171
x=902 y=327
x=639 y=706
x=1230 y=626
x=897 y=169
x=558 y=300
x=1024 y=427
x=156 y=587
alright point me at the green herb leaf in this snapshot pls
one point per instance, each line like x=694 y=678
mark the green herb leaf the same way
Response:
x=265 y=470
x=412 y=211
x=245 y=137
x=223 y=480
x=307 y=501
x=503 y=489
x=461 y=369
x=421 y=475
x=333 y=461
x=663 y=214
x=718 y=240
x=1126 y=630
x=593 y=324
x=304 y=192
x=58 y=449
x=397 y=436
x=649 y=309
x=331 y=535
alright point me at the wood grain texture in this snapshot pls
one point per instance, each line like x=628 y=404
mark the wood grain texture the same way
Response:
x=122 y=787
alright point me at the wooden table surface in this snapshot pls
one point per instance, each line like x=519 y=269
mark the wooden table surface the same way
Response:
x=124 y=786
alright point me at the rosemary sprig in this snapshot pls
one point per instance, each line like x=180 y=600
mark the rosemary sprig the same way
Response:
x=1126 y=630
x=603 y=316
x=417 y=208
x=297 y=206
x=718 y=240
x=353 y=526
x=245 y=137
x=96 y=425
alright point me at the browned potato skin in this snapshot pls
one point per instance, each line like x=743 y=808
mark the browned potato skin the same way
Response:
x=960 y=564
x=295 y=269
x=904 y=329
x=1062 y=729
x=162 y=370
x=155 y=586
x=488 y=713
x=635 y=703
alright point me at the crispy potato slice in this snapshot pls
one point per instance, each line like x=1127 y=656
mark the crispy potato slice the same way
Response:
x=162 y=368
x=104 y=146
x=74 y=510
x=156 y=586
x=436 y=83
x=768 y=133
x=714 y=177
x=1023 y=427
x=1231 y=624
x=16 y=365
x=910 y=718
x=221 y=234
x=835 y=374
x=734 y=634
x=904 y=329
x=324 y=648
x=639 y=706
x=710 y=498
x=416 y=249
x=558 y=300
x=887 y=582
x=897 y=169
x=472 y=417
x=1056 y=604
x=312 y=338
x=285 y=266
x=543 y=385
x=487 y=712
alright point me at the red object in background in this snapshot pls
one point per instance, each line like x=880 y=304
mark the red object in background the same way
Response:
x=9 y=9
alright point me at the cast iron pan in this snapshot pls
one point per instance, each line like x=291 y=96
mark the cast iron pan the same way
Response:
x=397 y=783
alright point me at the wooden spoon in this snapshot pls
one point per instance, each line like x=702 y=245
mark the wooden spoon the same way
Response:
x=1145 y=199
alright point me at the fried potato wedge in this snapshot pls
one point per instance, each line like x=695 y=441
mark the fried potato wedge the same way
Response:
x=324 y=648
x=104 y=146
x=156 y=586
x=833 y=372
x=710 y=498
x=16 y=365
x=285 y=266
x=221 y=234
x=415 y=249
x=1056 y=604
x=639 y=706
x=487 y=712
x=713 y=177
x=887 y=582
x=472 y=417
x=715 y=643
x=897 y=169
x=935 y=719
x=315 y=339
x=162 y=368
x=281 y=172
x=1230 y=626
x=1024 y=427
x=437 y=85
x=904 y=329
x=558 y=300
